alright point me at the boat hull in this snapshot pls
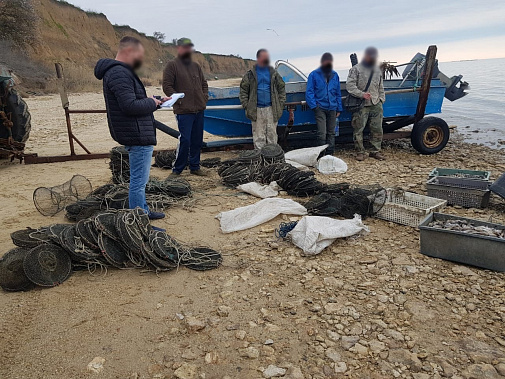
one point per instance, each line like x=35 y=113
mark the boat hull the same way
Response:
x=234 y=123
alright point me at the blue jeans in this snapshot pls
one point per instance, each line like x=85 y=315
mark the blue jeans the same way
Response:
x=140 y=166
x=190 y=141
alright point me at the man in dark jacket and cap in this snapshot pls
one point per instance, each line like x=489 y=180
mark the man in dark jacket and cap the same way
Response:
x=130 y=115
x=184 y=75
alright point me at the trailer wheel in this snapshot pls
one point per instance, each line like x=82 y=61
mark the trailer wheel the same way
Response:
x=16 y=107
x=430 y=135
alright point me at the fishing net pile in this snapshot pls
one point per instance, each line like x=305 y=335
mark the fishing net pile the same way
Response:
x=249 y=164
x=160 y=194
x=165 y=159
x=52 y=200
x=347 y=201
x=119 y=165
x=121 y=239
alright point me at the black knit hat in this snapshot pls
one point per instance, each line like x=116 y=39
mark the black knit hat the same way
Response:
x=327 y=57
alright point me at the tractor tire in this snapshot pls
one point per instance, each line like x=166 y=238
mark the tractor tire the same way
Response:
x=20 y=116
x=430 y=135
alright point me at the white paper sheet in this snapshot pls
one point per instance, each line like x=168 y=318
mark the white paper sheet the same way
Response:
x=170 y=103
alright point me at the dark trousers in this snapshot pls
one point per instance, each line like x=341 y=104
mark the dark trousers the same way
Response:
x=326 y=122
x=190 y=141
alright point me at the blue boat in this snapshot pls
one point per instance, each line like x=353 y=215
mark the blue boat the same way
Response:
x=224 y=116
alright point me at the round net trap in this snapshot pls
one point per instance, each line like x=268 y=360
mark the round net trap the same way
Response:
x=201 y=259
x=47 y=265
x=12 y=274
x=51 y=200
x=272 y=153
x=211 y=162
x=119 y=165
x=30 y=237
x=165 y=159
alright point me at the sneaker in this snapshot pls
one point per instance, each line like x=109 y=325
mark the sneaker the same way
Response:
x=198 y=172
x=377 y=155
x=155 y=228
x=156 y=215
x=174 y=174
x=360 y=157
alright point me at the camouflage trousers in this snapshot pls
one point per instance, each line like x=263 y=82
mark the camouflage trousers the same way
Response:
x=370 y=116
x=264 y=128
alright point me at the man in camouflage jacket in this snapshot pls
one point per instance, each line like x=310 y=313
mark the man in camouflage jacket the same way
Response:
x=263 y=95
x=371 y=114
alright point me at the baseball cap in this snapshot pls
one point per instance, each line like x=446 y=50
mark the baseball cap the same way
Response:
x=184 y=42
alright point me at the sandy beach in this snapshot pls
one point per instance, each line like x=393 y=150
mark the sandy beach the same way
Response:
x=370 y=306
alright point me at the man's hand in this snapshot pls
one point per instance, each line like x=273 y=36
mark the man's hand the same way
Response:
x=338 y=114
x=367 y=96
x=158 y=103
x=165 y=99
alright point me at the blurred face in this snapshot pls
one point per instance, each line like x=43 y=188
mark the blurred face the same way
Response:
x=264 y=59
x=327 y=65
x=135 y=55
x=185 y=52
x=370 y=59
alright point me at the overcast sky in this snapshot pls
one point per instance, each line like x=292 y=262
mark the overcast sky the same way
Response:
x=462 y=29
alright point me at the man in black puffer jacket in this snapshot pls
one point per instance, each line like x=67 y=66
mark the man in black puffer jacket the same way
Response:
x=130 y=115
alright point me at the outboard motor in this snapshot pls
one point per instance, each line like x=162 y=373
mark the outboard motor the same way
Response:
x=354 y=59
x=455 y=87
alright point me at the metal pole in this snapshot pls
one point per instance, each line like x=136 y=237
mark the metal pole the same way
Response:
x=425 y=87
x=69 y=132
x=65 y=104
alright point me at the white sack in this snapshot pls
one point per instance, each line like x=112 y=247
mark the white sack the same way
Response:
x=307 y=156
x=314 y=233
x=259 y=190
x=331 y=165
x=256 y=214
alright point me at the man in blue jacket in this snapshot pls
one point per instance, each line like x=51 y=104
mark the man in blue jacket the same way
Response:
x=324 y=98
x=130 y=115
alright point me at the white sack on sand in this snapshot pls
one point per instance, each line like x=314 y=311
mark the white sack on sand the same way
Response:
x=313 y=234
x=331 y=165
x=307 y=156
x=256 y=214
x=260 y=190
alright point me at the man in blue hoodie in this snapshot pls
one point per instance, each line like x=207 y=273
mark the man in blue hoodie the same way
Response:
x=130 y=115
x=324 y=98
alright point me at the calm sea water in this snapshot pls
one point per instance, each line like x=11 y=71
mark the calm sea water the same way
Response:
x=480 y=115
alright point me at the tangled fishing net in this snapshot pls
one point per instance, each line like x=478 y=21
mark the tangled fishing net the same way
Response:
x=363 y=200
x=112 y=238
x=159 y=194
x=51 y=200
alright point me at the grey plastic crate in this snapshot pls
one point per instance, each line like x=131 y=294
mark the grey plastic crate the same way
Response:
x=408 y=208
x=468 y=193
x=471 y=249
x=498 y=187
x=460 y=173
